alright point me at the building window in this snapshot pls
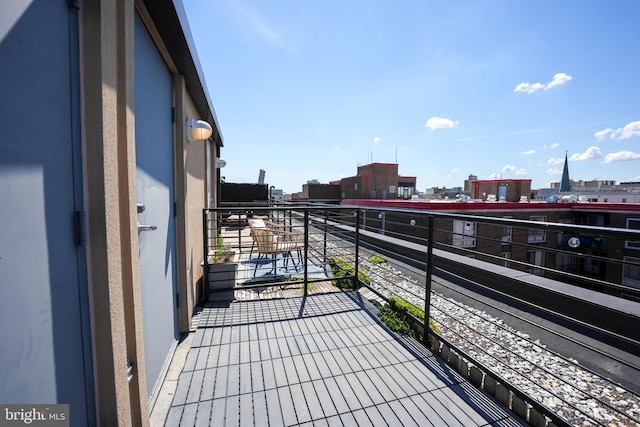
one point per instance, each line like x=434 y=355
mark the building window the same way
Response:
x=564 y=236
x=631 y=272
x=507 y=232
x=535 y=259
x=507 y=257
x=591 y=266
x=464 y=234
x=355 y=186
x=537 y=235
x=596 y=220
x=405 y=192
x=566 y=262
x=633 y=224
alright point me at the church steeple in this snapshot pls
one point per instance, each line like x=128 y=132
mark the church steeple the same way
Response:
x=565 y=185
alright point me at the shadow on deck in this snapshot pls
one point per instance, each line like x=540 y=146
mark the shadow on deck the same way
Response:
x=319 y=360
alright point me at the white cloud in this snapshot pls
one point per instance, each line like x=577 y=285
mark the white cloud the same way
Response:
x=455 y=170
x=630 y=130
x=528 y=152
x=621 y=156
x=376 y=139
x=554 y=171
x=556 y=161
x=440 y=123
x=528 y=87
x=558 y=80
x=494 y=176
x=551 y=146
x=514 y=170
x=591 y=153
x=337 y=149
x=602 y=134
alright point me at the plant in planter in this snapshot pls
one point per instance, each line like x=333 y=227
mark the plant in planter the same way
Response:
x=221 y=275
x=395 y=316
x=342 y=272
x=221 y=254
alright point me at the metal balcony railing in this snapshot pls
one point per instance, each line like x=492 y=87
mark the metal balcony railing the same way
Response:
x=407 y=253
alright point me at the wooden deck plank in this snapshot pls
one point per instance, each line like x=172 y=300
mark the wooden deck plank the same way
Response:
x=218 y=408
x=268 y=375
x=419 y=417
x=220 y=390
x=193 y=395
x=336 y=396
x=245 y=352
x=257 y=377
x=347 y=393
x=260 y=414
x=189 y=415
x=286 y=403
x=203 y=417
x=273 y=407
x=259 y=363
x=290 y=370
x=173 y=418
x=279 y=373
x=208 y=384
x=300 y=403
x=324 y=398
x=232 y=411
x=301 y=368
x=311 y=397
x=312 y=369
x=371 y=388
x=184 y=380
x=246 y=378
x=405 y=417
x=247 y=415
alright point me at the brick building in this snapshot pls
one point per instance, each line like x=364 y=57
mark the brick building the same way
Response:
x=378 y=181
x=523 y=248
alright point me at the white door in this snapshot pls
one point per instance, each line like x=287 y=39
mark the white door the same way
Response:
x=44 y=309
x=155 y=193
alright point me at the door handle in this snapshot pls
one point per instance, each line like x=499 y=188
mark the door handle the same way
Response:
x=146 y=227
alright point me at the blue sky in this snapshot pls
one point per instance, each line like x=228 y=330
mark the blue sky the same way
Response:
x=309 y=90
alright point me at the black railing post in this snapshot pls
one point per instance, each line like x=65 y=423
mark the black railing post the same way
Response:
x=427 y=287
x=306 y=251
x=324 y=248
x=356 y=282
x=205 y=253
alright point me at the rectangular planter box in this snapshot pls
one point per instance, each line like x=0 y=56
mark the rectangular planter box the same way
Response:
x=221 y=281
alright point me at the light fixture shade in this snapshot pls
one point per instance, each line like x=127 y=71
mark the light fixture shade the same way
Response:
x=198 y=129
x=220 y=162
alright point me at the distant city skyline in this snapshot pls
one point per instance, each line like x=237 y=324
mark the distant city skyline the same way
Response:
x=310 y=90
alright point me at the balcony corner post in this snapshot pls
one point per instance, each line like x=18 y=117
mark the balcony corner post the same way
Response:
x=306 y=252
x=427 y=287
x=356 y=280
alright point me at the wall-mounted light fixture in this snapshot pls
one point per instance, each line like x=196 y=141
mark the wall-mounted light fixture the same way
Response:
x=198 y=129
x=220 y=162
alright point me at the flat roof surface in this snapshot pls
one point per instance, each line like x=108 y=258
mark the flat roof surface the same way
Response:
x=320 y=360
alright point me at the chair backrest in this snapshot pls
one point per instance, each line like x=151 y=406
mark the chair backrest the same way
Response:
x=265 y=239
x=257 y=223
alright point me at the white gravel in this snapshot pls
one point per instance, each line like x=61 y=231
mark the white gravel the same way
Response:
x=561 y=385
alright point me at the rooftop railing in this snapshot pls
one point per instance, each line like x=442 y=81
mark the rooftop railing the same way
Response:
x=297 y=250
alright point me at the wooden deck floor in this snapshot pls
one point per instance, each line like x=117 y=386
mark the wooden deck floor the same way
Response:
x=320 y=360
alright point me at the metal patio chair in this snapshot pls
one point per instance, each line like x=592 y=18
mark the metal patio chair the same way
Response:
x=274 y=242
